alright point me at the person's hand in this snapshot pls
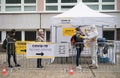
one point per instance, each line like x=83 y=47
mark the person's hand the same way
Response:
x=14 y=39
x=86 y=37
x=85 y=30
x=81 y=36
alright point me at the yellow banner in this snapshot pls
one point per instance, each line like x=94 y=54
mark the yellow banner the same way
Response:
x=21 y=47
x=68 y=31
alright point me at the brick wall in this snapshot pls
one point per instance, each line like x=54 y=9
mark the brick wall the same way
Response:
x=118 y=4
x=40 y=5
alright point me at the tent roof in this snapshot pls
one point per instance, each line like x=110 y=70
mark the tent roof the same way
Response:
x=82 y=14
x=81 y=10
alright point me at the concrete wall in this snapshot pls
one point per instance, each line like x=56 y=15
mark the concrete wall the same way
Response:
x=117 y=15
x=19 y=21
x=34 y=20
x=46 y=19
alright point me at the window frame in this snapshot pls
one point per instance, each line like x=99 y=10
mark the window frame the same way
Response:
x=99 y=3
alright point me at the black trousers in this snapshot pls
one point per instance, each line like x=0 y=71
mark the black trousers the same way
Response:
x=14 y=59
x=39 y=62
x=11 y=52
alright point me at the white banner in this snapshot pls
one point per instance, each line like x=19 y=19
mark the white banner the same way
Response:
x=40 y=50
x=62 y=50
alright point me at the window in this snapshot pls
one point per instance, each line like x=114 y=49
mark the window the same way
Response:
x=109 y=35
x=64 y=8
x=0 y=8
x=118 y=34
x=94 y=7
x=13 y=1
x=30 y=35
x=0 y=36
x=51 y=8
x=51 y=1
x=29 y=1
x=48 y=36
x=108 y=0
x=29 y=8
x=0 y=1
x=108 y=7
x=18 y=35
x=90 y=0
x=13 y=8
x=68 y=1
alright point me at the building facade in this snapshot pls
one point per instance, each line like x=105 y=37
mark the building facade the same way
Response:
x=28 y=15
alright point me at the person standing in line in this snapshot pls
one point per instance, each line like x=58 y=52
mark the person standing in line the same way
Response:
x=40 y=38
x=79 y=45
x=11 y=48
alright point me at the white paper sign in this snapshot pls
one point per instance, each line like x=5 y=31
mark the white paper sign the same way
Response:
x=62 y=50
x=40 y=50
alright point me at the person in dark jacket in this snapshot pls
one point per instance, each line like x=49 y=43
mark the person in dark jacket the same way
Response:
x=79 y=45
x=11 y=48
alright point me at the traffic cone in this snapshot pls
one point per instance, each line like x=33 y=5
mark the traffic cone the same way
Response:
x=71 y=71
x=4 y=71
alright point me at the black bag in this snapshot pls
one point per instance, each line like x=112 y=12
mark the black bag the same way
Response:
x=105 y=49
x=4 y=44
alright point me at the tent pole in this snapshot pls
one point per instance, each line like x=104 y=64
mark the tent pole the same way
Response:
x=102 y=30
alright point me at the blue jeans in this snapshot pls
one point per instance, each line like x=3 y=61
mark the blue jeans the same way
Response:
x=78 y=56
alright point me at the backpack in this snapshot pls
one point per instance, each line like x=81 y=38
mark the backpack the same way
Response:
x=105 y=49
x=4 y=44
x=73 y=40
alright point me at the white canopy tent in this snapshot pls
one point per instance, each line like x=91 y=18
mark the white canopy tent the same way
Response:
x=78 y=15
x=83 y=15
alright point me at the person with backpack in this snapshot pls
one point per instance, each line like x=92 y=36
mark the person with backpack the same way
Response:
x=10 y=49
x=4 y=45
x=78 y=39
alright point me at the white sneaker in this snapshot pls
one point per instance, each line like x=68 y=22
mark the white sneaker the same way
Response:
x=79 y=67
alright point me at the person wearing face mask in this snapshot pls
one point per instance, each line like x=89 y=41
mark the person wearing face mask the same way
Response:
x=40 y=38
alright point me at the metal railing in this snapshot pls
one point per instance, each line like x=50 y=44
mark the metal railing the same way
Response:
x=65 y=57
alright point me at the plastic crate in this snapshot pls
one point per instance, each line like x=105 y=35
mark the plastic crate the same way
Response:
x=104 y=60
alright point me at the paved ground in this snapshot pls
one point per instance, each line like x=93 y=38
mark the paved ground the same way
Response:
x=57 y=70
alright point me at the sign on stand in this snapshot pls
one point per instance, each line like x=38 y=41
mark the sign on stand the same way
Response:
x=40 y=50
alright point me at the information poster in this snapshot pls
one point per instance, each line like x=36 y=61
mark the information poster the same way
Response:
x=40 y=50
